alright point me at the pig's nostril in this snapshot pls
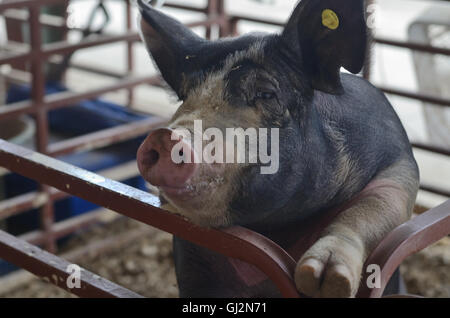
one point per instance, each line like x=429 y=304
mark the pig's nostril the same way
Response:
x=153 y=157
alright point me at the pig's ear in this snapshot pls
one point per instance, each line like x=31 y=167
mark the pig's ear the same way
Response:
x=325 y=35
x=170 y=43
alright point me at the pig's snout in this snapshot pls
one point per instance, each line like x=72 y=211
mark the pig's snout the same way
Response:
x=159 y=160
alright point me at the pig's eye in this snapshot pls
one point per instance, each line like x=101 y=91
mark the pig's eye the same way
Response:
x=265 y=95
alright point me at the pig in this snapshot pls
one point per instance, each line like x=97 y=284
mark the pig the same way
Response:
x=339 y=141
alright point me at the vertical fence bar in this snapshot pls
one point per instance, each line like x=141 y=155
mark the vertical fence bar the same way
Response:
x=370 y=40
x=38 y=79
x=47 y=218
x=130 y=51
x=233 y=24
x=14 y=33
x=42 y=133
x=211 y=11
x=225 y=26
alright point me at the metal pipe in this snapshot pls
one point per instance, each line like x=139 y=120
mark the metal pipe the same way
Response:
x=67 y=99
x=15 y=4
x=55 y=270
x=438 y=101
x=439 y=150
x=130 y=51
x=106 y=137
x=413 y=46
x=435 y=190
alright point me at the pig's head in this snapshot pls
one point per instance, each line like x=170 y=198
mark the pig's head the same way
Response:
x=250 y=82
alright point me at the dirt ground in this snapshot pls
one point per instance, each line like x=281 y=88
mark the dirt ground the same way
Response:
x=427 y=273
x=145 y=265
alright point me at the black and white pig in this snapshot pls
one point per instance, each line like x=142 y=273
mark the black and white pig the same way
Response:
x=339 y=139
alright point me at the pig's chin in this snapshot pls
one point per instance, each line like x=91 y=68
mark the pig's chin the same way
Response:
x=200 y=202
x=180 y=194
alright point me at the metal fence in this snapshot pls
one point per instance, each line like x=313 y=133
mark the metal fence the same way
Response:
x=235 y=242
x=58 y=183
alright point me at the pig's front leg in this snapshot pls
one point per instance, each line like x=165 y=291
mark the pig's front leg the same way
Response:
x=332 y=266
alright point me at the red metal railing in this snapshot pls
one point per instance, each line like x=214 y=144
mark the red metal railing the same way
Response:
x=235 y=242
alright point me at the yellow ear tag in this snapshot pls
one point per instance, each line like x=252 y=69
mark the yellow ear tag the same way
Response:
x=330 y=19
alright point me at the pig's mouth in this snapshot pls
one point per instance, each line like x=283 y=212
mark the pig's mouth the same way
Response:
x=192 y=190
x=175 y=192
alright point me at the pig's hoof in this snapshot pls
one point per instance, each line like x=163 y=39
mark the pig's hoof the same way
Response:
x=331 y=268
